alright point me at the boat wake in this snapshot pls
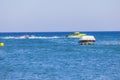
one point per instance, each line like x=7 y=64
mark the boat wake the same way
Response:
x=30 y=37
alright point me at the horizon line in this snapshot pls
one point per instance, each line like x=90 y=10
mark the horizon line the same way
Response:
x=52 y=31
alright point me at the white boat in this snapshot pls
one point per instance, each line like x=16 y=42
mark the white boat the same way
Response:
x=87 y=40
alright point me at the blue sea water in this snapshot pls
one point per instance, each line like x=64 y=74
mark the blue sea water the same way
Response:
x=52 y=56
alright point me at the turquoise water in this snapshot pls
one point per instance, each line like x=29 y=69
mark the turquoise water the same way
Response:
x=52 y=56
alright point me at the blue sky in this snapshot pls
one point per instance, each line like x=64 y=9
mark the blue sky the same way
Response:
x=59 y=15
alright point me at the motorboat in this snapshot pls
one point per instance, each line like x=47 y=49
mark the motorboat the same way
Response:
x=76 y=35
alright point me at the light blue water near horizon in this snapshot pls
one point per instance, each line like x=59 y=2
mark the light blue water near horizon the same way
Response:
x=52 y=56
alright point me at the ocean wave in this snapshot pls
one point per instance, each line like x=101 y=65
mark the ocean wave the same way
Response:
x=30 y=37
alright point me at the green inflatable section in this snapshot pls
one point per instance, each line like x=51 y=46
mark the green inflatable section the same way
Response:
x=76 y=35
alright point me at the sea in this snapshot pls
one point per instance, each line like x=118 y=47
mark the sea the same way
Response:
x=52 y=56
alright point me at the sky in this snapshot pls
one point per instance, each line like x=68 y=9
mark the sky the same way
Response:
x=59 y=15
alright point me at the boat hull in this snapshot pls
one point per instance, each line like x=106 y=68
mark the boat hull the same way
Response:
x=87 y=40
x=76 y=36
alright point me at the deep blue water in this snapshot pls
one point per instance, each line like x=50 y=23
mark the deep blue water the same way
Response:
x=51 y=56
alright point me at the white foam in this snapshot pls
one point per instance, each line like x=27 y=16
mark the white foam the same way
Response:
x=30 y=37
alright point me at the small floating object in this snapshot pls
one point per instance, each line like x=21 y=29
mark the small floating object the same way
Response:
x=1 y=44
x=87 y=40
x=76 y=35
x=26 y=36
x=23 y=37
